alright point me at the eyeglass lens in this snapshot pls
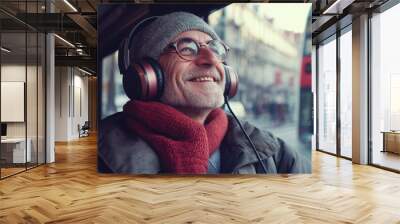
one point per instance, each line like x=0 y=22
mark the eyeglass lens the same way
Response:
x=189 y=49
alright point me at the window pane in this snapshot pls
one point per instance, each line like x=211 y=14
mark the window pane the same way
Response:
x=14 y=151
x=31 y=97
x=41 y=98
x=327 y=97
x=346 y=94
x=385 y=89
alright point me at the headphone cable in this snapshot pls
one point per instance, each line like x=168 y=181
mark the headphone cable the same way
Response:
x=247 y=136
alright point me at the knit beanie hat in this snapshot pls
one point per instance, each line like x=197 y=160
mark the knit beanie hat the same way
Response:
x=154 y=37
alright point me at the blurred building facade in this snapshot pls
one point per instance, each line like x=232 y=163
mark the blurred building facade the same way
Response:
x=266 y=58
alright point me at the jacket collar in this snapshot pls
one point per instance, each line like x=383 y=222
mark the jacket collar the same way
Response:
x=237 y=152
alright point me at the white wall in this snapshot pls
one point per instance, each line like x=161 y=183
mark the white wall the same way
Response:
x=71 y=93
x=12 y=101
x=80 y=98
x=16 y=73
x=61 y=103
x=13 y=72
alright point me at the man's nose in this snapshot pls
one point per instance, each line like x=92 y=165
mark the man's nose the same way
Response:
x=207 y=57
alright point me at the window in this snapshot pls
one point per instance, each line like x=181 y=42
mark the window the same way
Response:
x=346 y=94
x=327 y=96
x=385 y=88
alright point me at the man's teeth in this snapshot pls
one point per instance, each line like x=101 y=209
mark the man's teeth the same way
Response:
x=204 y=79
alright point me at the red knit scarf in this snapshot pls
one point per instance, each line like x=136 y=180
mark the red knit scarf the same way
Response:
x=182 y=144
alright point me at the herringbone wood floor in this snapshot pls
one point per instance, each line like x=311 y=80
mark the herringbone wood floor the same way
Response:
x=71 y=191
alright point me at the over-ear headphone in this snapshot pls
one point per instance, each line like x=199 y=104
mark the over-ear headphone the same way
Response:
x=144 y=79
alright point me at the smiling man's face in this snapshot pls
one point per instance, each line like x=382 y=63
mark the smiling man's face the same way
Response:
x=196 y=84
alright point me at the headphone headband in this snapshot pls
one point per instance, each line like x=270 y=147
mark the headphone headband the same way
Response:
x=137 y=26
x=124 y=55
x=144 y=79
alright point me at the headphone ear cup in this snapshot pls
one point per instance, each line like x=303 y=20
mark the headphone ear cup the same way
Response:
x=231 y=82
x=144 y=80
x=132 y=84
x=159 y=76
x=123 y=57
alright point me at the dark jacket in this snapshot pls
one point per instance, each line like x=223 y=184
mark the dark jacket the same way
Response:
x=120 y=151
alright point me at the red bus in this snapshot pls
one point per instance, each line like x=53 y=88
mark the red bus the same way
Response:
x=306 y=97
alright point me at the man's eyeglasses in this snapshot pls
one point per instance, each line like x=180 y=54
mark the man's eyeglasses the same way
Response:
x=189 y=49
